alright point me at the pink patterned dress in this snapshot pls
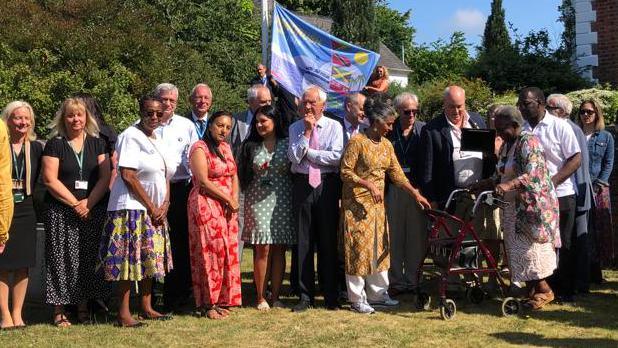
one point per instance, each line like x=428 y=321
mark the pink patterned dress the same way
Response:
x=213 y=238
x=530 y=222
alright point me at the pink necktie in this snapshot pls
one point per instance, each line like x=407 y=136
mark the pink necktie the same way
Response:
x=314 y=172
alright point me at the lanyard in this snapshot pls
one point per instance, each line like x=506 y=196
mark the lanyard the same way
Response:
x=200 y=131
x=80 y=157
x=19 y=169
x=404 y=151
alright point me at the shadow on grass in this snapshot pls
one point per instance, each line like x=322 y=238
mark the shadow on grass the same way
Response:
x=540 y=340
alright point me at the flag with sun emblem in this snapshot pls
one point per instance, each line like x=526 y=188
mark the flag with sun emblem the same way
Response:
x=303 y=55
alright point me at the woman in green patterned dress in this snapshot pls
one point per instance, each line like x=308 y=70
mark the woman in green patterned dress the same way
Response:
x=265 y=179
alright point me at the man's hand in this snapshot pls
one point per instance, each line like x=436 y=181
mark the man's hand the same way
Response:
x=310 y=122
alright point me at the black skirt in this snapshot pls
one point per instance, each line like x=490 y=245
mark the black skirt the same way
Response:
x=20 y=250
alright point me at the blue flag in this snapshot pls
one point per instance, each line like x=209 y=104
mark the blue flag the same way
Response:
x=303 y=55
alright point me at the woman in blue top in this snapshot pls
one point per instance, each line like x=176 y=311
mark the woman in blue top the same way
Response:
x=601 y=151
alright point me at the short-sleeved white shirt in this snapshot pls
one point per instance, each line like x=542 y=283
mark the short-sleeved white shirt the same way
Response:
x=179 y=135
x=467 y=165
x=135 y=150
x=560 y=144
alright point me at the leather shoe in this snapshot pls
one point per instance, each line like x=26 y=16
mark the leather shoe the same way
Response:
x=301 y=306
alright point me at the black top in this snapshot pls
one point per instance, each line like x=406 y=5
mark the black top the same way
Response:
x=109 y=136
x=408 y=150
x=36 y=151
x=68 y=169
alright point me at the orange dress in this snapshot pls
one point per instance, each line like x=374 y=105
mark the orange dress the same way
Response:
x=213 y=238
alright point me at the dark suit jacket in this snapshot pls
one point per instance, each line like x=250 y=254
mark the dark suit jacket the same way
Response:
x=437 y=179
x=412 y=157
x=240 y=131
x=329 y=114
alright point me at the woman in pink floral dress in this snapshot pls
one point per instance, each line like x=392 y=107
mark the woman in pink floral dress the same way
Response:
x=530 y=222
x=213 y=221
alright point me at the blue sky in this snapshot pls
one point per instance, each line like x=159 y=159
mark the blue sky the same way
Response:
x=434 y=19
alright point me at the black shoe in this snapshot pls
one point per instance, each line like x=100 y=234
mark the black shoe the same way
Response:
x=301 y=306
x=333 y=307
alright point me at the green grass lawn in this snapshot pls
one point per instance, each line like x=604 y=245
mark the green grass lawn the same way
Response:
x=593 y=322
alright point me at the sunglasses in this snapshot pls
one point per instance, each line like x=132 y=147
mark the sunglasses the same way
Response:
x=153 y=113
x=410 y=112
x=587 y=112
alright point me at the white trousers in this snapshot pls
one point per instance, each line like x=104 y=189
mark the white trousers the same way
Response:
x=368 y=288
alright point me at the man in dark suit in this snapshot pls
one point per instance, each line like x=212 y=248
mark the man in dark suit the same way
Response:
x=353 y=120
x=445 y=166
x=257 y=96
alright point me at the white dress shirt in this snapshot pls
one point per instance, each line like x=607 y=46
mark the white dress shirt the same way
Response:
x=330 y=139
x=178 y=135
x=560 y=144
x=467 y=165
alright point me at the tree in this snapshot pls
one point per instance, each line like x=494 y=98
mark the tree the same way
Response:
x=567 y=17
x=354 y=21
x=393 y=29
x=308 y=7
x=496 y=36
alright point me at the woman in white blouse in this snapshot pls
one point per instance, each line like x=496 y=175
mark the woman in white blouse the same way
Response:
x=135 y=243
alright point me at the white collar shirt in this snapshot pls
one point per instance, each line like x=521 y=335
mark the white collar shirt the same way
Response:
x=560 y=144
x=467 y=165
x=330 y=139
x=178 y=134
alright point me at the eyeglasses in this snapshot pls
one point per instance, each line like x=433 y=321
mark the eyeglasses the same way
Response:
x=153 y=113
x=586 y=112
x=410 y=112
x=552 y=108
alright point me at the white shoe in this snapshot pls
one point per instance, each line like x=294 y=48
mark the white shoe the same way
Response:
x=362 y=308
x=386 y=302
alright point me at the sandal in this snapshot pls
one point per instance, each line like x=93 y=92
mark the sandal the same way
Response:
x=222 y=311
x=541 y=299
x=212 y=313
x=263 y=306
x=162 y=317
x=60 y=320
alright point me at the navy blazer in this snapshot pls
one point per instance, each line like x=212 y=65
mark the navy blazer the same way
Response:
x=437 y=179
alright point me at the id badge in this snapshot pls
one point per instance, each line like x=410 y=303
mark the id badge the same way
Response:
x=406 y=169
x=18 y=184
x=81 y=185
x=18 y=197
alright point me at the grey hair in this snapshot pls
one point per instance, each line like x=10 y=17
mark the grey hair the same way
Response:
x=165 y=87
x=321 y=94
x=447 y=91
x=376 y=109
x=198 y=86
x=352 y=98
x=403 y=97
x=252 y=92
x=562 y=101
x=509 y=114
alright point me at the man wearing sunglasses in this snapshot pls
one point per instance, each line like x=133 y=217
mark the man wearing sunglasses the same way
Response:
x=578 y=273
x=405 y=218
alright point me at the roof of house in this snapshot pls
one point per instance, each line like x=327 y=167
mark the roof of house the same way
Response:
x=387 y=57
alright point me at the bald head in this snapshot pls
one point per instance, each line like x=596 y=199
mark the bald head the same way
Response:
x=455 y=105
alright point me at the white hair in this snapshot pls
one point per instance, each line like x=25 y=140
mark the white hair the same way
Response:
x=403 y=97
x=321 y=94
x=447 y=91
x=562 y=101
x=165 y=87
x=252 y=92
x=17 y=104
x=198 y=86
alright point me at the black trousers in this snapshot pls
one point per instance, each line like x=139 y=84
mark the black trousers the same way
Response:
x=316 y=214
x=178 y=284
x=563 y=280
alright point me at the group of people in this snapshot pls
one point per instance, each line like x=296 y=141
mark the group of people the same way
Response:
x=175 y=197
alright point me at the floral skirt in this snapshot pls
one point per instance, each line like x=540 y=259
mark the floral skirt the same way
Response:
x=132 y=248
x=602 y=231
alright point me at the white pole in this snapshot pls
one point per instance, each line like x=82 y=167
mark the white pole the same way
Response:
x=265 y=40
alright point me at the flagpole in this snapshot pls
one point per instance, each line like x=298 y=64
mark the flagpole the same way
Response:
x=265 y=40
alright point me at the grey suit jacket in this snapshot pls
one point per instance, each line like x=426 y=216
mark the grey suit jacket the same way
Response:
x=241 y=125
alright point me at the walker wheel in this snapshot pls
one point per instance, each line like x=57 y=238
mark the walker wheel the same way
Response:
x=423 y=301
x=448 y=309
x=511 y=306
x=475 y=294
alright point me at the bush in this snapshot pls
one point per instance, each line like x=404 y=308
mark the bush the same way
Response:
x=607 y=98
